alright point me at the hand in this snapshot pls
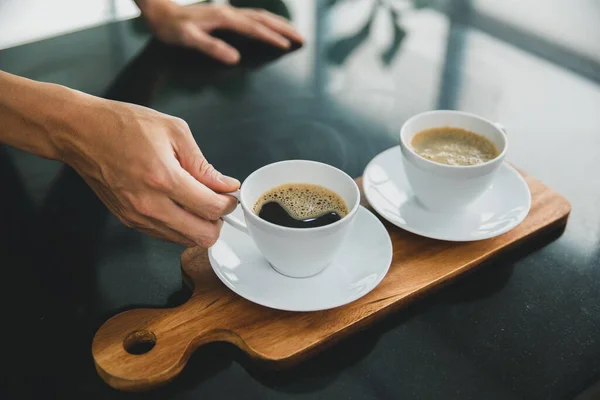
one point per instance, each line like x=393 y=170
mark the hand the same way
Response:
x=148 y=170
x=191 y=26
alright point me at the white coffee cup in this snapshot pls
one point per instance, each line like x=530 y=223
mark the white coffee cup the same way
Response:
x=296 y=252
x=448 y=188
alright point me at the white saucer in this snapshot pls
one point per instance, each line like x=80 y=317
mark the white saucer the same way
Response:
x=502 y=207
x=363 y=261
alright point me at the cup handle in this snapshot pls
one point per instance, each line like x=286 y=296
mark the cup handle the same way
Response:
x=233 y=221
x=500 y=126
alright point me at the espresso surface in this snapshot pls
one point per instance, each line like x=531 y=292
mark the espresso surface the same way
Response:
x=300 y=206
x=454 y=146
x=276 y=214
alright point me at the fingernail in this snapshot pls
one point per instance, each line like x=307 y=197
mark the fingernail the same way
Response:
x=228 y=180
x=286 y=43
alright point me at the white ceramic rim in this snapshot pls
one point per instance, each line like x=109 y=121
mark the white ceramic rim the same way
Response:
x=350 y=300
x=249 y=213
x=408 y=147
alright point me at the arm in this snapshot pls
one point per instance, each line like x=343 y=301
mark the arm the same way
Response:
x=145 y=166
x=191 y=26
x=20 y=128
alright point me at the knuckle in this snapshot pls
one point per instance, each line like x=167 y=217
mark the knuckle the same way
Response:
x=224 y=12
x=145 y=208
x=185 y=36
x=228 y=204
x=257 y=30
x=209 y=238
x=180 y=125
x=214 y=213
x=187 y=40
x=204 y=167
x=218 y=208
x=207 y=241
x=159 y=180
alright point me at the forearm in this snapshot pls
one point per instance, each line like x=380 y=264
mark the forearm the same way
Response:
x=35 y=116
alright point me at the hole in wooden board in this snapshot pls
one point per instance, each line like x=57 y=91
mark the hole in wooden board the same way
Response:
x=139 y=342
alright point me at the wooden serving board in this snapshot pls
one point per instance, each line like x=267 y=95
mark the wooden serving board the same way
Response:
x=280 y=338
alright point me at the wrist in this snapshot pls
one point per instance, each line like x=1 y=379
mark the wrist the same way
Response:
x=66 y=126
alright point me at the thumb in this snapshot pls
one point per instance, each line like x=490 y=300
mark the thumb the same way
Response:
x=193 y=161
x=206 y=174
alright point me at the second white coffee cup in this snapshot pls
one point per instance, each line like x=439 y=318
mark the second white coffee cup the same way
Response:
x=296 y=252
x=448 y=188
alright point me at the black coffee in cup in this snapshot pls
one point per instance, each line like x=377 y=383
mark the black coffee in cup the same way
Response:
x=300 y=205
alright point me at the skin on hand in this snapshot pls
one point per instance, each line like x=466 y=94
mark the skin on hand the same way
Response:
x=190 y=26
x=148 y=170
x=144 y=165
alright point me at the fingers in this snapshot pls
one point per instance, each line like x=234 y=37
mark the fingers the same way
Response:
x=212 y=46
x=239 y=22
x=258 y=24
x=200 y=200
x=192 y=160
x=164 y=219
x=274 y=22
x=199 y=231
x=179 y=226
x=206 y=174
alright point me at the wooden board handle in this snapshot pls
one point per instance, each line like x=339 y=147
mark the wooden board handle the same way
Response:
x=145 y=348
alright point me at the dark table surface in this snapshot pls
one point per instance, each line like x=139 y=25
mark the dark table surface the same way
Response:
x=524 y=326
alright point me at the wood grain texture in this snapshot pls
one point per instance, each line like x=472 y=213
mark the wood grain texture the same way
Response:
x=279 y=338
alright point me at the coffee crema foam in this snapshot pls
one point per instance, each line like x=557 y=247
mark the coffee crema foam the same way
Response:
x=454 y=146
x=303 y=200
